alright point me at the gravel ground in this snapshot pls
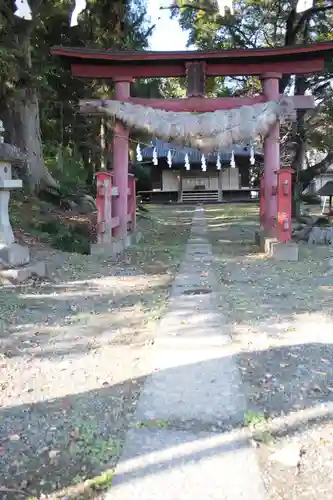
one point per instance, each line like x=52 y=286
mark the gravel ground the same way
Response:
x=280 y=318
x=74 y=353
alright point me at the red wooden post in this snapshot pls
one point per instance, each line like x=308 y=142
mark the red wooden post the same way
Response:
x=120 y=160
x=271 y=155
x=262 y=202
x=284 y=199
x=104 y=204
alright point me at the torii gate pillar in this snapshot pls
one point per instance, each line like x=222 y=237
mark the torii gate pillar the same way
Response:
x=270 y=82
x=120 y=159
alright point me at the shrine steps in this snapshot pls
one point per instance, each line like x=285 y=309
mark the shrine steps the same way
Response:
x=194 y=197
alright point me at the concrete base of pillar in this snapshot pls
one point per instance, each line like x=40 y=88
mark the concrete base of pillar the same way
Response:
x=116 y=247
x=13 y=256
x=107 y=249
x=276 y=249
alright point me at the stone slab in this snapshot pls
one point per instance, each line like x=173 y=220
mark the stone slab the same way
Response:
x=285 y=252
x=22 y=274
x=171 y=465
x=193 y=384
x=281 y=251
x=278 y=250
x=107 y=249
x=204 y=323
x=14 y=255
x=206 y=327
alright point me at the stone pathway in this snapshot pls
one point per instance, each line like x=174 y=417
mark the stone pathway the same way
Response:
x=184 y=442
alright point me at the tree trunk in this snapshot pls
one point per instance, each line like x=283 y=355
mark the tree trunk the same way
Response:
x=304 y=179
x=296 y=200
x=23 y=128
x=306 y=176
x=88 y=165
x=22 y=106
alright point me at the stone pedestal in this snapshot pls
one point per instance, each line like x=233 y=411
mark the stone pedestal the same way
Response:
x=13 y=255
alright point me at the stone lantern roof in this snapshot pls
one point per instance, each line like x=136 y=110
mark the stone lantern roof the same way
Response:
x=11 y=154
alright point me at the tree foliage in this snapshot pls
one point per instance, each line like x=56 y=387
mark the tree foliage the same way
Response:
x=263 y=23
x=34 y=82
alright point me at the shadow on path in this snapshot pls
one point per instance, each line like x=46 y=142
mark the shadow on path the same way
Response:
x=56 y=443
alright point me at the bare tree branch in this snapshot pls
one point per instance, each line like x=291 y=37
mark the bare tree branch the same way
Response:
x=306 y=16
x=189 y=6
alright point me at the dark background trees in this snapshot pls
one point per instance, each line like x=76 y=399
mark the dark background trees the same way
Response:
x=39 y=97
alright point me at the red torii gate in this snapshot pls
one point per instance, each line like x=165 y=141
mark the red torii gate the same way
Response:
x=268 y=63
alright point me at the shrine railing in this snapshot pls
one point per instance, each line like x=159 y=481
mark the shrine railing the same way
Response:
x=106 y=193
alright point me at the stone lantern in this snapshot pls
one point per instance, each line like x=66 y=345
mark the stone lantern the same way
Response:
x=11 y=254
x=14 y=258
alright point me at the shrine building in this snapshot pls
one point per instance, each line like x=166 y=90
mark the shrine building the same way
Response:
x=184 y=175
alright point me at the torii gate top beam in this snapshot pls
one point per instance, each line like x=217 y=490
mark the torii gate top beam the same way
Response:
x=95 y=63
